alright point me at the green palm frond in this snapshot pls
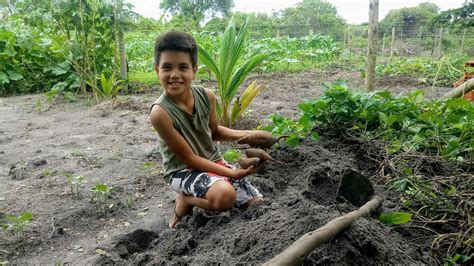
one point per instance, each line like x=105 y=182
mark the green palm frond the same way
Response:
x=227 y=70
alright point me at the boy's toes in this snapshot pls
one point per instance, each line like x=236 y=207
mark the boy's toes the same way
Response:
x=179 y=211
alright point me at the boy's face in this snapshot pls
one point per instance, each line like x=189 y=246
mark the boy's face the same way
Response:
x=175 y=72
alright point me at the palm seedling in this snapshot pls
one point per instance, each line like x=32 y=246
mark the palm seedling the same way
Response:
x=230 y=73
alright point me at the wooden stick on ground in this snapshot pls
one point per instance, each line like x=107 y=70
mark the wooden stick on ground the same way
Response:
x=461 y=90
x=297 y=252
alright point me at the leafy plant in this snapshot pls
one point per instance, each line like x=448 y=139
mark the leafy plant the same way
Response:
x=231 y=155
x=48 y=174
x=395 y=218
x=109 y=87
x=100 y=195
x=75 y=183
x=228 y=71
x=17 y=224
x=147 y=166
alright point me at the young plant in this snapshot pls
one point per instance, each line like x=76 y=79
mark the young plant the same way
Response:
x=232 y=155
x=74 y=183
x=17 y=224
x=229 y=73
x=109 y=87
x=147 y=166
x=48 y=174
x=100 y=195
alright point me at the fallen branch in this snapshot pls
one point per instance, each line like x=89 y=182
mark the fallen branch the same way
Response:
x=461 y=90
x=297 y=252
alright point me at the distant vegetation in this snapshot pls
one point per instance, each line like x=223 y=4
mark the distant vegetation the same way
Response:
x=63 y=48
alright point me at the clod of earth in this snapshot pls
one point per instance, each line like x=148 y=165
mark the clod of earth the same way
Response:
x=259 y=153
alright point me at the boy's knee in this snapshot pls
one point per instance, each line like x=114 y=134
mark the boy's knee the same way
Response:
x=222 y=197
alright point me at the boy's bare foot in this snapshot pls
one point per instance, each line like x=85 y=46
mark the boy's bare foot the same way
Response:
x=180 y=210
x=250 y=202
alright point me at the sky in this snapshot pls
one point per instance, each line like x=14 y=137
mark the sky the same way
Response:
x=353 y=11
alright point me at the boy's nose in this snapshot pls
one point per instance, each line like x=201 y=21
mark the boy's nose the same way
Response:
x=174 y=74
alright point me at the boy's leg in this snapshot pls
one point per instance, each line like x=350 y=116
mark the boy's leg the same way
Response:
x=246 y=194
x=220 y=196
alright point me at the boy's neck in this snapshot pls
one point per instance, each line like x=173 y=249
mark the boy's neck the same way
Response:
x=184 y=101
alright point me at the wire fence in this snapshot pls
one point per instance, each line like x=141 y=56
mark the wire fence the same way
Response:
x=398 y=42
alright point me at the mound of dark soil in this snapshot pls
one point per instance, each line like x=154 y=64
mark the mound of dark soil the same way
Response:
x=300 y=197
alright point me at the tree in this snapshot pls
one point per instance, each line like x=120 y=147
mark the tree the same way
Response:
x=409 y=19
x=462 y=17
x=262 y=25
x=318 y=16
x=123 y=20
x=196 y=10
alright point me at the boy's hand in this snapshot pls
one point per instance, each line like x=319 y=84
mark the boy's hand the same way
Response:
x=258 y=138
x=240 y=173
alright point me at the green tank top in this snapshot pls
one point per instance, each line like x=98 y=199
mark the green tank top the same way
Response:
x=193 y=127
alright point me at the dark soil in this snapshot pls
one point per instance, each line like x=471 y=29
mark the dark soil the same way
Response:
x=113 y=143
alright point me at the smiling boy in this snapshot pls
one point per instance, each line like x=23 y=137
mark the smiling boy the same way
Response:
x=185 y=118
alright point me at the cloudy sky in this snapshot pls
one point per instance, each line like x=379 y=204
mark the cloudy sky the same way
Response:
x=354 y=11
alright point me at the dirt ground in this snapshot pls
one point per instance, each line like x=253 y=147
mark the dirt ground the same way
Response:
x=114 y=143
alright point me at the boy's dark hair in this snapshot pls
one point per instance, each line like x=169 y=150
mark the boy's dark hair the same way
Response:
x=176 y=41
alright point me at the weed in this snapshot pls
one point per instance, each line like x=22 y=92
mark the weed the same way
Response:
x=77 y=153
x=17 y=225
x=128 y=202
x=100 y=195
x=74 y=183
x=147 y=166
x=48 y=174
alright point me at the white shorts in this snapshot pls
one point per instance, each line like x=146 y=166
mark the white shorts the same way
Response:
x=197 y=183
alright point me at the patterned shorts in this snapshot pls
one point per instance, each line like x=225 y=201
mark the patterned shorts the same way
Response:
x=197 y=183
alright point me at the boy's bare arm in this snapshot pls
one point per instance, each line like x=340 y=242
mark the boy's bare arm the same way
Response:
x=164 y=126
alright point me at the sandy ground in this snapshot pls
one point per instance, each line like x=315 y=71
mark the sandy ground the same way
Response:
x=114 y=143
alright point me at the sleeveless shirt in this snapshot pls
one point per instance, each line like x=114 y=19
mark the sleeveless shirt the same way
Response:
x=194 y=128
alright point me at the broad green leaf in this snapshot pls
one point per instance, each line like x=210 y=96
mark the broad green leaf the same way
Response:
x=26 y=216
x=231 y=155
x=383 y=118
x=400 y=185
x=14 y=75
x=293 y=140
x=3 y=77
x=393 y=147
x=395 y=218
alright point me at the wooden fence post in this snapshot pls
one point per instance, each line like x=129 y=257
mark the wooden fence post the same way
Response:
x=349 y=39
x=419 y=38
x=383 y=45
x=435 y=42
x=392 y=44
x=372 y=45
x=440 y=43
x=462 y=40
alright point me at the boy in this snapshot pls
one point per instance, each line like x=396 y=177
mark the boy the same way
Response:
x=185 y=118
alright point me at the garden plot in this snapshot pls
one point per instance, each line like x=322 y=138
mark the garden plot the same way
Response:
x=43 y=149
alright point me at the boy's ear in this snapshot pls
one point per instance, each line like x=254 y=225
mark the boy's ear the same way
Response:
x=155 y=66
x=195 y=69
